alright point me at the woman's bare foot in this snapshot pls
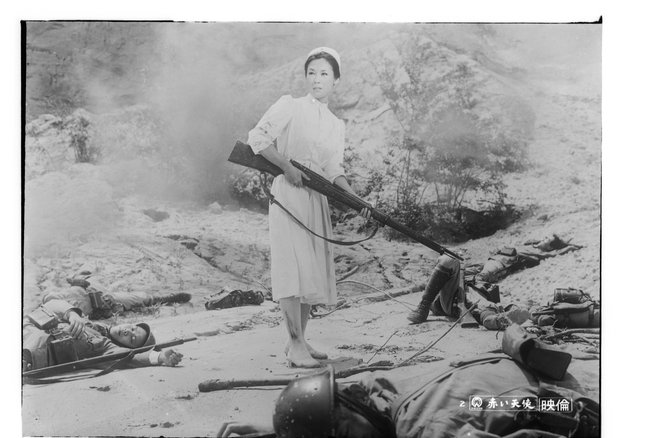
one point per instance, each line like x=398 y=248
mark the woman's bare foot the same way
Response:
x=315 y=353
x=297 y=356
x=312 y=351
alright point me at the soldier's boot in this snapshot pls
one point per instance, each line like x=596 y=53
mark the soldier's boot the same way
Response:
x=438 y=279
x=420 y=314
x=179 y=297
x=528 y=350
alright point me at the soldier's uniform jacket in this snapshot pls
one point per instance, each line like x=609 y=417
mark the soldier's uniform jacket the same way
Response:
x=117 y=302
x=94 y=342
x=437 y=405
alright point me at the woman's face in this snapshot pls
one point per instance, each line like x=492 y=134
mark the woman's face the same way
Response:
x=320 y=79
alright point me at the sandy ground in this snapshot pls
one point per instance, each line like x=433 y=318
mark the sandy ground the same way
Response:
x=562 y=193
x=166 y=401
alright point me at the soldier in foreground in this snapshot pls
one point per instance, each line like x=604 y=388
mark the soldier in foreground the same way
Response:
x=316 y=406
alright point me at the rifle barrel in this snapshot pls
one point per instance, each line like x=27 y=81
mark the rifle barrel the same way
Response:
x=322 y=185
x=242 y=154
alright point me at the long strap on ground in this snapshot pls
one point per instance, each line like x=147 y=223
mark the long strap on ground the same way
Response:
x=272 y=200
x=116 y=364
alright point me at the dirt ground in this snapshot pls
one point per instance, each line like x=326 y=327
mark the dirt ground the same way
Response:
x=244 y=343
x=562 y=191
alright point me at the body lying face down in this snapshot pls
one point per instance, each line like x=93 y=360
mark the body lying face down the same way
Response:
x=432 y=405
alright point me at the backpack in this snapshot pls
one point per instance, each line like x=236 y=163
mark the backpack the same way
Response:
x=236 y=298
x=571 y=308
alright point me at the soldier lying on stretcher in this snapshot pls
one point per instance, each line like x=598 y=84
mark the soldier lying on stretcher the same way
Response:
x=56 y=333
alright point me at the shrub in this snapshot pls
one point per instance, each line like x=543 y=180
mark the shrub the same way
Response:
x=457 y=141
x=247 y=189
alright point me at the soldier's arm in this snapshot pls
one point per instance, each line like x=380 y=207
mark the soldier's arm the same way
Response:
x=49 y=314
x=62 y=309
x=168 y=357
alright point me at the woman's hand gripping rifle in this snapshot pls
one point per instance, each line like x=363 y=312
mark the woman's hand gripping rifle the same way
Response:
x=242 y=154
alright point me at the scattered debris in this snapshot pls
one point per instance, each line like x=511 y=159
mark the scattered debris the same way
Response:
x=189 y=242
x=567 y=333
x=156 y=215
x=166 y=424
x=235 y=298
x=101 y=388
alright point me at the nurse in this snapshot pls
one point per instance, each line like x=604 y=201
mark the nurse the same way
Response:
x=302 y=265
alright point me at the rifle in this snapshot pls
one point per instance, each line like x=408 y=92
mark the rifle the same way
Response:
x=242 y=154
x=89 y=363
x=222 y=385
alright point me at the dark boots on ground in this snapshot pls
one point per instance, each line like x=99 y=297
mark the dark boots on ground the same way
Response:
x=179 y=297
x=433 y=287
x=421 y=313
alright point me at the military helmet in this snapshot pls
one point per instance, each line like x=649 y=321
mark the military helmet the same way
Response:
x=150 y=339
x=305 y=407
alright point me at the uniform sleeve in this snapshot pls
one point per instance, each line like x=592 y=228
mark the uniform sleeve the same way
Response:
x=75 y=295
x=335 y=166
x=271 y=124
x=138 y=361
x=376 y=390
x=60 y=308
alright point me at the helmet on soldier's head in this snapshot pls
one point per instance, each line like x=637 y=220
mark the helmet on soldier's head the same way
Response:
x=150 y=340
x=305 y=407
x=126 y=335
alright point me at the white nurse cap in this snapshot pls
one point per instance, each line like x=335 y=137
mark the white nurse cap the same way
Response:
x=329 y=51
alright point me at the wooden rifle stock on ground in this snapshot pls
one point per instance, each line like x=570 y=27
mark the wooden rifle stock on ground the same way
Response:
x=222 y=385
x=242 y=154
x=92 y=361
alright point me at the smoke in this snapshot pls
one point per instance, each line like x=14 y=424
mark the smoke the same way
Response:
x=199 y=80
x=62 y=207
x=193 y=94
x=568 y=56
x=169 y=100
x=188 y=75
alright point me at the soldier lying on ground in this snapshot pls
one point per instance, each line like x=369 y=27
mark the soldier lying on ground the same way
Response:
x=441 y=297
x=56 y=333
x=506 y=261
x=441 y=292
x=439 y=404
x=97 y=304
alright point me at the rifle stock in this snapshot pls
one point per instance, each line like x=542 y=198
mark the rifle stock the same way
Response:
x=88 y=363
x=242 y=154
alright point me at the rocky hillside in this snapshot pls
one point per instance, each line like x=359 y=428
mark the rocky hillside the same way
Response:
x=129 y=126
x=376 y=102
x=126 y=118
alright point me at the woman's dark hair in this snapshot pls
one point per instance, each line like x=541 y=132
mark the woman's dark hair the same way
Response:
x=328 y=57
